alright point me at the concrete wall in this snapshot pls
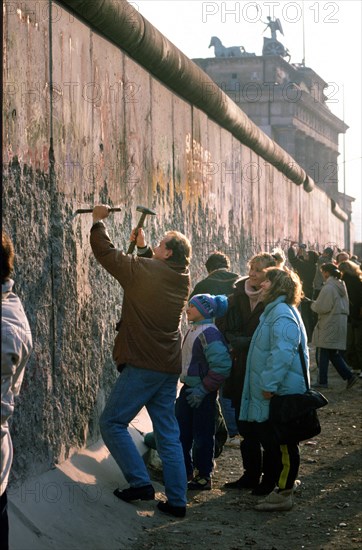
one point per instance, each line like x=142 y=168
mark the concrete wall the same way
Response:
x=83 y=124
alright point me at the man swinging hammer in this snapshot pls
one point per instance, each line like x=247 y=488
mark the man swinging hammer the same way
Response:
x=147 y=353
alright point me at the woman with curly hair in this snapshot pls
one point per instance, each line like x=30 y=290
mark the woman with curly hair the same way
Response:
x=274 y=367
x=245 y=308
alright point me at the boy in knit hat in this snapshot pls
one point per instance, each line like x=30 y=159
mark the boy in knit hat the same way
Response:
x=206 y=363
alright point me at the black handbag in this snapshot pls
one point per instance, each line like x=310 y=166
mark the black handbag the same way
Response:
x=294 y=417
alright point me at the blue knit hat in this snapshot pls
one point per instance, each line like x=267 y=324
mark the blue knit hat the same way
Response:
x=209 y=305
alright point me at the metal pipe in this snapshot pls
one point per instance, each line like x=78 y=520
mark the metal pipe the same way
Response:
x=123 y=25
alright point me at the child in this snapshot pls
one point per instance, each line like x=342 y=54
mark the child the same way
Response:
x=206 y=363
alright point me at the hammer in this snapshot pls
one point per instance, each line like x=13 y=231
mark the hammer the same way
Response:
x=144 y=211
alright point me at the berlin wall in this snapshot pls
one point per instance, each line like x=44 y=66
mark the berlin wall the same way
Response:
x=99 y=107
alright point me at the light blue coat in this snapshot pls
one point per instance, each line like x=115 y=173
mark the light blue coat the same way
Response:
x=273 y=362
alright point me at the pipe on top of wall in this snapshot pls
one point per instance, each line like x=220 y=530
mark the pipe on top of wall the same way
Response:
x=337 y=211
x=124 y=26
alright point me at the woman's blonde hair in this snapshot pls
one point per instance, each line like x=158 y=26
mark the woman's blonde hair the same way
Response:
x=264 y=259
x=351 y=268
x=284 y=282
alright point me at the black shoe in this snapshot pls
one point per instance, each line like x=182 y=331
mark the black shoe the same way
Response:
x=146 y=492
x=241 y=483
x=263 y=489
x=199 y=483
x=176 y=511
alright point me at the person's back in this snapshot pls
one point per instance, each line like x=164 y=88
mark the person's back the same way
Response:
x=220 y=280
x=352 y=276
x=157 y=328
x=147 y=283
x=147 y=352
x=330 y=332
x=304 y=263
x=332 y=304
x=16 y=347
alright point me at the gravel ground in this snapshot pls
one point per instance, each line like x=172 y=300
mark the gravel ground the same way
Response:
x=327 y=511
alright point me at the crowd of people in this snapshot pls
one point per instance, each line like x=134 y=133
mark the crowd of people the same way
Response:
x=332 y=311
x=247 y=340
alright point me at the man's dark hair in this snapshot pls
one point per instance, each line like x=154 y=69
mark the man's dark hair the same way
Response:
x=180 y=246
x=328 y=252
x=332 y=269
x=7 y=257
x=217 y=260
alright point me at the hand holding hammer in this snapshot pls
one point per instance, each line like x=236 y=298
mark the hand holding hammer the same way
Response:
x=145 y=211
x=100 y=212
x=138 y=237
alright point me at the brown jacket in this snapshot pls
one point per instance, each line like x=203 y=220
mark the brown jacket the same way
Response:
x=155 y=293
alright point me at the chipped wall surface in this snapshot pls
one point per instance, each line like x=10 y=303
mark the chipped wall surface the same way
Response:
x=84 y=124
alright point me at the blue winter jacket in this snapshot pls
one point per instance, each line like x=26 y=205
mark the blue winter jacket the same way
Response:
x=205 y=356
x=273 y=362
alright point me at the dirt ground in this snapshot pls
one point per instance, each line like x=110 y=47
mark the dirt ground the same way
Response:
x=327 y=513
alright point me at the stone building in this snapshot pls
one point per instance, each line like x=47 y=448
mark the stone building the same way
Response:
x=288 y=102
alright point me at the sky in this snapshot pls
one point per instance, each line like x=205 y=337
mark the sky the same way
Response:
x=329 y=41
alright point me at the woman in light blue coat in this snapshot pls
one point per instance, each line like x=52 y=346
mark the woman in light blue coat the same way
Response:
x=274 y=367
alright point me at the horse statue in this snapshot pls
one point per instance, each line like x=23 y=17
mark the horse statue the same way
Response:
x=221 y=51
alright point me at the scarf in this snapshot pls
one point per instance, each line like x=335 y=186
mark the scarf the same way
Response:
x=253 y=295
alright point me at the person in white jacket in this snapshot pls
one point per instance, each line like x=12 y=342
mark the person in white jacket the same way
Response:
x=330 y=332
x=16 y=346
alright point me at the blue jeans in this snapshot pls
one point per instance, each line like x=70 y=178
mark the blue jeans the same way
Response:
x=325 y=355
x=228 y=412
x=197 y=433
x=134 y=389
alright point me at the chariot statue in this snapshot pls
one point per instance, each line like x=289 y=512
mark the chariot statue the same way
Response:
x=272 y=46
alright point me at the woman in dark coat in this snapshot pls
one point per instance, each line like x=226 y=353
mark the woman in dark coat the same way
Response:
x=352 y=276
x=245 y=309
x=330 y=332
